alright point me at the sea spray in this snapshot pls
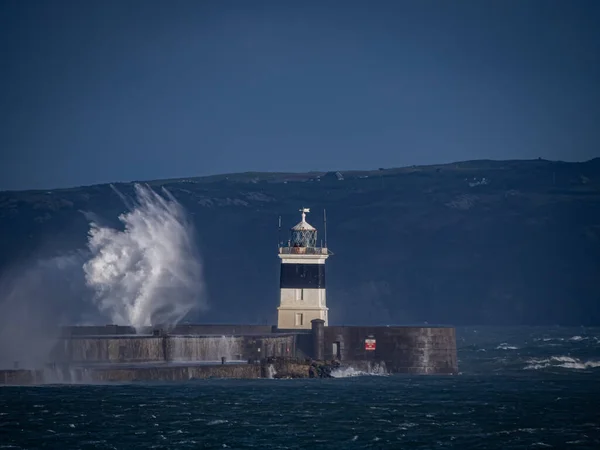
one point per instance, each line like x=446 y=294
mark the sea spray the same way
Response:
x=150 y=272
x=36 y=297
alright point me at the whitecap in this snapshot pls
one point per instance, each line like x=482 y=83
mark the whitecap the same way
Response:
x=565 y=362
x=217 y=422
x=505 y=346
x=567 y=359
x=580 y=365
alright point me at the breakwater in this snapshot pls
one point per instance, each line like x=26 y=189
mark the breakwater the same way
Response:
x=112 y=353
x=273 y=367
x=111 y=374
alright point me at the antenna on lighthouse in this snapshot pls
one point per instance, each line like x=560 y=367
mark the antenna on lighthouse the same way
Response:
x=325 y=225
x=279 y=234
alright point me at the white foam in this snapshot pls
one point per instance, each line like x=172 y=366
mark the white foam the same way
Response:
x=345 y=372
x=536 y=366
x=217 y=422
x=505 y=346
x=567 y=359
x=580 y=365
x=149 y=272
x=271 y=372
x=547 y=339
x=565 y=362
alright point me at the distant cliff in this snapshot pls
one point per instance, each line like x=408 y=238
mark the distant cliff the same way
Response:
x=474 y=242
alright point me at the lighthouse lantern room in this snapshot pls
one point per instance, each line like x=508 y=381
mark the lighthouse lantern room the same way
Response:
x=302 y=280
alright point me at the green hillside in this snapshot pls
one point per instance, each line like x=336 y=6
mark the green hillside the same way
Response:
x=474 y=242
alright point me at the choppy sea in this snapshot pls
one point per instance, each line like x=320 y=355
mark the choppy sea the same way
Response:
x=518 y=388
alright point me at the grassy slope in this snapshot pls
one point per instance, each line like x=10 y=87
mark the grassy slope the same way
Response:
x=411 y=244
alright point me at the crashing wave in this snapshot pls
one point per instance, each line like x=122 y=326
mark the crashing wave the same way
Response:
x=149 y=272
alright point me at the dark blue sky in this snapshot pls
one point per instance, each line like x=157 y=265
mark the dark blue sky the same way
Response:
x=100 y=91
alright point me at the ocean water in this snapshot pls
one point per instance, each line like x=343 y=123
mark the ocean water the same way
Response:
x=518 y=388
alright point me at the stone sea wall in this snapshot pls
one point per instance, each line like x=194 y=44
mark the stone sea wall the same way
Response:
x=176 y=373
x=112 y=350
x=88 y=375
x=99 y=349
x=195 y=348
x=122 y=356
x=417 y=350
x=179 y=330
x=275 y=367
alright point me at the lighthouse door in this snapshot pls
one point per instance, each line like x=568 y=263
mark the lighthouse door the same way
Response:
x=336 y=350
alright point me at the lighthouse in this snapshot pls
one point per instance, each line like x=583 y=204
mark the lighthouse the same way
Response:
x=302 y=279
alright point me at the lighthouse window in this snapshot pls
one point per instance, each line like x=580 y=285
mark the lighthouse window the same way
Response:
x=299 y=319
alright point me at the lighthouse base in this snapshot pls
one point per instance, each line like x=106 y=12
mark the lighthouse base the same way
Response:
x=299 y=319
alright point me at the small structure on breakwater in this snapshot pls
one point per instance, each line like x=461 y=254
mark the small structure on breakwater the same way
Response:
x=302 y=344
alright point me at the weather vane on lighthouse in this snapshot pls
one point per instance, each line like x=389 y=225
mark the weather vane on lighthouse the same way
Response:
x=304 y=211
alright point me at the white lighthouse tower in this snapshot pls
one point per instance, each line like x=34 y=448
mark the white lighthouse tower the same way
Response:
x=302 y=280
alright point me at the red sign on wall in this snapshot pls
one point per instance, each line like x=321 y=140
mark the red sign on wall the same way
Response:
x=369 y=344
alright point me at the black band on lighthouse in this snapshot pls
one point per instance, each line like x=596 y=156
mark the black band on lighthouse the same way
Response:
x=302 y=276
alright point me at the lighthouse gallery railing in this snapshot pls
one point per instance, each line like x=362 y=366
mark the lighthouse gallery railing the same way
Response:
x=303 y=251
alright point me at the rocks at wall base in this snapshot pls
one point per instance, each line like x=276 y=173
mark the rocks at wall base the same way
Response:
x=299 y=368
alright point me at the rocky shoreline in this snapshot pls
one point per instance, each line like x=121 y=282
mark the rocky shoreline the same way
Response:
x=276 y=367
x=298 y=368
